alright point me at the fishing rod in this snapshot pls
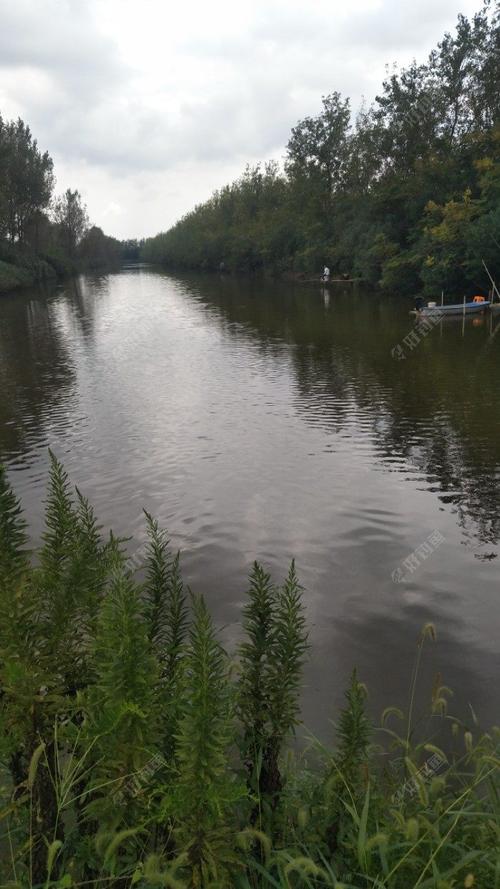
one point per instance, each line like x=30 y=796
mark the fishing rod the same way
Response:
x=495 y=288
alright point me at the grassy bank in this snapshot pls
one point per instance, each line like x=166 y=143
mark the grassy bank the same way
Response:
x=135 y=751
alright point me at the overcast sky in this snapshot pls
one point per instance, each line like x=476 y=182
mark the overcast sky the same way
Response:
x=149 y=106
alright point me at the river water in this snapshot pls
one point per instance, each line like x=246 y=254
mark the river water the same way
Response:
x=268 y=421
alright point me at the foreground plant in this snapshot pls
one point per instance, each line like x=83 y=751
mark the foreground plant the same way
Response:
x=135 y=752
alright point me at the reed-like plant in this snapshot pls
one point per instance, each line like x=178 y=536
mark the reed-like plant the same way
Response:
x=133 y=754
x=271 y=661
x=167 y=616
x=16 y=628
x=53 y=605
x=206 y=788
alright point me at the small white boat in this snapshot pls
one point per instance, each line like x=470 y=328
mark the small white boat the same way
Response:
x=432 y=309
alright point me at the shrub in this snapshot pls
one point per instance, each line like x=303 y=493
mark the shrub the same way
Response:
x=134 y=752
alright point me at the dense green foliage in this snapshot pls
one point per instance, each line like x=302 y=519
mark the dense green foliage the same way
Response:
x=134 y=751
x=42 y=237
x=26 y=181
x=404 y=196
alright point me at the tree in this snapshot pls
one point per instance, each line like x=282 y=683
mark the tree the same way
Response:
x=319 y=144
x=409 y=111
x=26 y=179
x=70 y=216
x=355 y=196
x=98 y=250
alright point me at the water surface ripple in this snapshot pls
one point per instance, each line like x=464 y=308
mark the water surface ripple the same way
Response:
x=258 y=420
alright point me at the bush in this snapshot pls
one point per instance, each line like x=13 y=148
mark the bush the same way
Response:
x=20 y=267
x=135 y=752
x=12 y=277
x=60 y=263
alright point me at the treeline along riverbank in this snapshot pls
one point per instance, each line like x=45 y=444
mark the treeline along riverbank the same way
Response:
x=405 y=195
x=42 y=236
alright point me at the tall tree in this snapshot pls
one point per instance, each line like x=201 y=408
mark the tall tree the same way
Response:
x=70 y=215
x=26 y=177
x=319 y=144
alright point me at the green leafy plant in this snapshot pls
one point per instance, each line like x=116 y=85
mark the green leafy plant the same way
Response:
x=271 y=661
x=134 y=752
x=206 y=789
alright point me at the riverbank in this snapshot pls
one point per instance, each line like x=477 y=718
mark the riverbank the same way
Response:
x=264 y=274
x=12 y=277
x=44 y=237
x=21 y=269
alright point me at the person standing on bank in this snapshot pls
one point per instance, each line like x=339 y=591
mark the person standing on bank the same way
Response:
x=326 y=273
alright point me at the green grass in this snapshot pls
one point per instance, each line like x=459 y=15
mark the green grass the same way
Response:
x=135 y=751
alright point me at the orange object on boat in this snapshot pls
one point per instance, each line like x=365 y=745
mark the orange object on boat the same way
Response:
x=479 y=299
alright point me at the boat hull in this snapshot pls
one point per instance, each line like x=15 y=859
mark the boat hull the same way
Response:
x=457 y=309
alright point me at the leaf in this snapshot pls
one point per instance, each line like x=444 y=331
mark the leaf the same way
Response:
x=361 y=844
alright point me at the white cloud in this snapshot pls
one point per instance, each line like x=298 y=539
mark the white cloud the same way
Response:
x=148 y=109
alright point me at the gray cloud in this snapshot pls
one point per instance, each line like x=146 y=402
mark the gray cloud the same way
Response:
x=122 y=96
x=61 y=38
